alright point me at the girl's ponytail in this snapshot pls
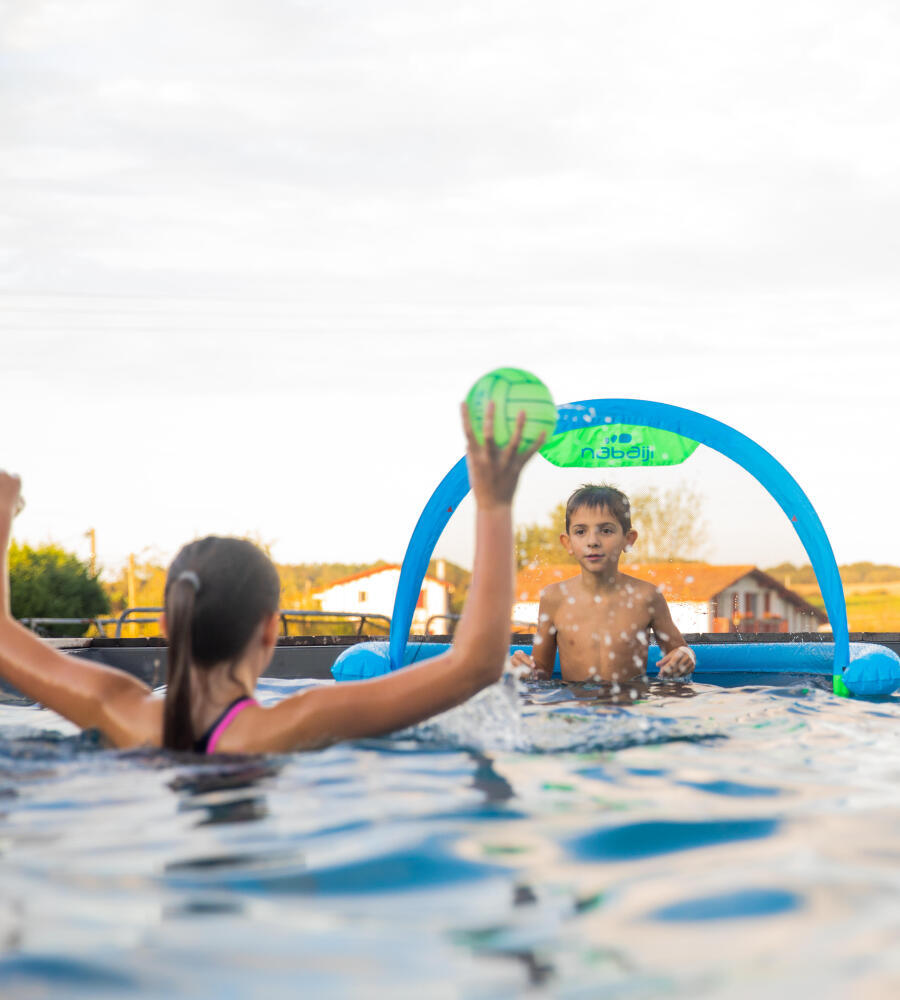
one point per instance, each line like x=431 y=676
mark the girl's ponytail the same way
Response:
x=211 y=622
x=178 y=729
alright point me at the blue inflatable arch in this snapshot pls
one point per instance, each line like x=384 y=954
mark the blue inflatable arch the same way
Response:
x=876 y=671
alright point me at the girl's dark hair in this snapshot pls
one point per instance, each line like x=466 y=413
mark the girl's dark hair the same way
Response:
x=609 y=497
x=218 y=590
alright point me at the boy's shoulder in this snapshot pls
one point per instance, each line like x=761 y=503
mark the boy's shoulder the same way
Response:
x=553 y=593
x=636 y=586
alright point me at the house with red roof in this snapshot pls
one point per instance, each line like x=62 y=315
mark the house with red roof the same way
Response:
x=372 y=591
x=702 y=598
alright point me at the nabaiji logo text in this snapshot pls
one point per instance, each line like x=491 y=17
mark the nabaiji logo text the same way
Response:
x=639 y=452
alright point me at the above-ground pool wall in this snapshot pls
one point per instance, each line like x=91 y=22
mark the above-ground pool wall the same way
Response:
x=312 y=657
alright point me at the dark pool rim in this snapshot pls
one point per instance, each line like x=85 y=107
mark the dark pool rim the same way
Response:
x=312 y=657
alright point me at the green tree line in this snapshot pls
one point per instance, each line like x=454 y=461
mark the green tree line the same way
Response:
x=48 y=582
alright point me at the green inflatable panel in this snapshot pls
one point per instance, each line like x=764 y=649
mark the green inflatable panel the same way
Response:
x=617 y=445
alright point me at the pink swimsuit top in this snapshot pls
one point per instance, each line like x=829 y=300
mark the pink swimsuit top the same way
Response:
x=210 y=739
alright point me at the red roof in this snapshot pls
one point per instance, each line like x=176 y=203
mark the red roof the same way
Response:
x=371 y=572
x=694 y=582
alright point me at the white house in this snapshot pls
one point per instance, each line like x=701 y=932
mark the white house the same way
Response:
x=372 y=591
x=702 y=598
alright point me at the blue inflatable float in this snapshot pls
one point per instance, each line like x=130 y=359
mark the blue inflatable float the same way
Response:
x=860 y=669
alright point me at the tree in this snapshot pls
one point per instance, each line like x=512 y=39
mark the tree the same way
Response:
x=48 y=582
x=670 y=526
x=539 y=543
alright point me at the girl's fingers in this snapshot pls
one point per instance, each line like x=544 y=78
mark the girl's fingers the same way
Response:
x=516 y=438
x=489 y=427
x=534 y=447
x=471 y=441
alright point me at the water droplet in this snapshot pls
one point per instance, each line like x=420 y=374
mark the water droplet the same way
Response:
x=537 y=640
x=545 y=618
x=632 y=693
x=641 y=635
x=596 y=598
x=571 y=600
x=552 y=630
x=575 y=628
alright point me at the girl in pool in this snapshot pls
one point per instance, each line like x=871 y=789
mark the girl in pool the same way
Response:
x=221 y=618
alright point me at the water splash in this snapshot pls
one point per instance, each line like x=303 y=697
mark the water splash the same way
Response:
x=505 y=717
x=491 y=720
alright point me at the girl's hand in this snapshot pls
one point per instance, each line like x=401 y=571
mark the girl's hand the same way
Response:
x=494 y=472
x=11 y=502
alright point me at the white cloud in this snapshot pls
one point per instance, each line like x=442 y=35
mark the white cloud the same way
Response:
x=287 y=241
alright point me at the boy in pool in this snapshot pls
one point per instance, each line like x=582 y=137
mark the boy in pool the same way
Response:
x=600 y=621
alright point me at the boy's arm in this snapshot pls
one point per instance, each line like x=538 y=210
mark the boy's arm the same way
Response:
x=544 y=648
x=679 y=658
x=87 y=693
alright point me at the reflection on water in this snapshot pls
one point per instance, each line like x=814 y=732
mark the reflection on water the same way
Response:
x=559 y=840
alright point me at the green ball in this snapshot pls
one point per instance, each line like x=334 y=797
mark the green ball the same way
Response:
x=512 y=390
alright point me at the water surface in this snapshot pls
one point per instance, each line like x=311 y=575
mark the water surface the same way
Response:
x=696 y=841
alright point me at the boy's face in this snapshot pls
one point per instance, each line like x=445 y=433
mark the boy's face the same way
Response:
x=596 y=538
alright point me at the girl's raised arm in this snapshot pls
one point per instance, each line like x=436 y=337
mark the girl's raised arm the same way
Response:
x=87 y=693
x=404 y=697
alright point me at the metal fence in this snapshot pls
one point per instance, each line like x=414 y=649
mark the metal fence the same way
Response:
x=351 y=622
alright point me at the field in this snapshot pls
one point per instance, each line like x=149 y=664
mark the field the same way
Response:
x=871 y=607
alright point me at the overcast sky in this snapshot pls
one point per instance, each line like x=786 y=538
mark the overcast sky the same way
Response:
x=251 y=257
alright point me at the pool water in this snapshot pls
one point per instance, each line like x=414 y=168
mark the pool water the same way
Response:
x=699 y=841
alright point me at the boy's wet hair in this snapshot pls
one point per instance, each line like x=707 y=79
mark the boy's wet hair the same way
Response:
x=609 y=497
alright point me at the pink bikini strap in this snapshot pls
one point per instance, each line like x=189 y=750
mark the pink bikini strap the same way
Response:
x=226 y=721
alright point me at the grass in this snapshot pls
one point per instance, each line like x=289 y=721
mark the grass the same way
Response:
x=871 y=607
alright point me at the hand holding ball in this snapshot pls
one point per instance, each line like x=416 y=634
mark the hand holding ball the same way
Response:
x=512 y=390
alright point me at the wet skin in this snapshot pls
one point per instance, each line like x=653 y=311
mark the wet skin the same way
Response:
x=600 y=621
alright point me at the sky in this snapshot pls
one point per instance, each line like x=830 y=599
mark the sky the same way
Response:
x=251 y=258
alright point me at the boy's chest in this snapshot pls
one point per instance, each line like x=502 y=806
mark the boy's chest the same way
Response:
x=620 y=619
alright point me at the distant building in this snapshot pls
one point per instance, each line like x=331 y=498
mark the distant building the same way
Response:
x=372 y=591
x=702 y=598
